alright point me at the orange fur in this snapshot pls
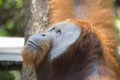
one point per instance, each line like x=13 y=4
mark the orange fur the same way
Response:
x=61 y=10
x=98 y=14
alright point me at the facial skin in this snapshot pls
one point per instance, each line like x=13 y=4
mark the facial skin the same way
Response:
x=36 y=48
x=54 y=42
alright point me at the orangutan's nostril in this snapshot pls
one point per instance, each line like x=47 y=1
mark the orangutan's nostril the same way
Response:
x=43 y=35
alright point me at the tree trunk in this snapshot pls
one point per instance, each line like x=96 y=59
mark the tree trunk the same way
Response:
x=37 y=20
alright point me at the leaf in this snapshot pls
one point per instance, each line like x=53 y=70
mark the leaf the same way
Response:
x=4 y=75
x=3 y=33
x=10 y=25
x=19 y=4
x=1 y=3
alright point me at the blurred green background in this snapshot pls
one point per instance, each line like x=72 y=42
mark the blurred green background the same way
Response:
x=12 y=17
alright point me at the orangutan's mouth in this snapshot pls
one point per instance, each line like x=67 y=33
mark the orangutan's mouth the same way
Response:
x=31 y=43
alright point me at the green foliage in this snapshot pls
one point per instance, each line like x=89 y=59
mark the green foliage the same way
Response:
x=10 y=25
x=4 y=32
x=4 y=75
x=1 y=3
x=19 y=4
x=12 y=17
x=16 y=4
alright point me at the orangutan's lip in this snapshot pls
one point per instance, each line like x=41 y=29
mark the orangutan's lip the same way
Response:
x=34 y=44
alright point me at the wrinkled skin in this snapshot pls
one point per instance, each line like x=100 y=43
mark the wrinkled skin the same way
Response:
x=56 y=40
